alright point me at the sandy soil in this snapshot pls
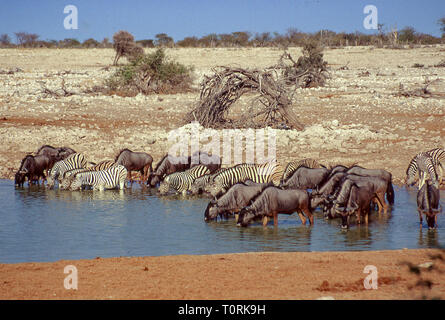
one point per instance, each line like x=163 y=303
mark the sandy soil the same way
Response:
x=274 y=276
x=356 y=118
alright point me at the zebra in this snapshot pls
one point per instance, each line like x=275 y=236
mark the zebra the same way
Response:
x=200 y=183
x=422 y=164
x=69 y=175
x=292 y=166
x=110 y=178
x=74 y=161
x=438 y=156
x=182 y=181
x=259 y=173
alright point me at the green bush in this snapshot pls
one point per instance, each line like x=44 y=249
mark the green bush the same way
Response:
x=151 y=73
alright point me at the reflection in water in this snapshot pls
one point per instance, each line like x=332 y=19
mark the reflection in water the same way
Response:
x=428 y=238
x=37 y=224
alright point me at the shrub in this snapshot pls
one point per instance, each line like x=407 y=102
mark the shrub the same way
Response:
x=151 y=73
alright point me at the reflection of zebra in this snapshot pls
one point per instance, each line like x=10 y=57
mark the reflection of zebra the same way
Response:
x=74 y=161
x=105 y=179
x=422 y=164
x=182 y=181
x=294 y=165
x=69 y=176
x=263 y=173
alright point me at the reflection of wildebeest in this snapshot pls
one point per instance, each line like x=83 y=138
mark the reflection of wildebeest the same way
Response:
x=306 y=178
x=170 y=164
x=273 y=201
x=236 y=198
x=428 y=203
x=32 y=167
x=135 y=161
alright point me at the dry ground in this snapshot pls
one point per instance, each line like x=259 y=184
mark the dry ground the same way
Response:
x=356 y=118
x=244 y=276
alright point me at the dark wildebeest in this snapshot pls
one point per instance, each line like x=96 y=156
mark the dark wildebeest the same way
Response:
x=377 y=186
x=32 y=167
x=54 y=154
x=65 y=152
x=170 y=164
x=236 y=198
x=135 y=161
x=428 y=203
x=273 y=201
x=306 y=178
x=359 y=202
x=380 y=173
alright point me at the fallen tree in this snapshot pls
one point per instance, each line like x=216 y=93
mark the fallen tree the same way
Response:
x=270 y=107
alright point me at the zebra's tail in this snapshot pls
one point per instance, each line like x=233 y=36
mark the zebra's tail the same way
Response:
x=390 y=193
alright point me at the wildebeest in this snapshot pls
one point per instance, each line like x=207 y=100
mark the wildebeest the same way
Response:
x=236 y=198
x=294 y=165
x=54 y=154
x=306 y=178
x=135 y=161
x=170 y=164
x=428 y=203
x=377 y=187
x=32 y=167
x=380 y=173
x=273 y=201
x=359 y=202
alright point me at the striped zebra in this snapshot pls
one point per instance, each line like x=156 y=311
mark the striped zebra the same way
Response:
x=69 y=175
x=200 y=183
x=294 y=165
x=182 y=181
x=259 y=173
x=438 y=156
x=422 y=164
x=100 y=180
x=74 y=161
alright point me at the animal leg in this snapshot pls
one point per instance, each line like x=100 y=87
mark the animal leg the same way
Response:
x=302 y=218
x=265 y=220
x=420 y=218
x=275 y=219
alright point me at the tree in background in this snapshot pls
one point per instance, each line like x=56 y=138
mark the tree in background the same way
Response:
x=163 y=40
x=90 y=43
x=5 y=40
x=441 y=23
x=123 y=43
x=407 y=35
x=25 y=39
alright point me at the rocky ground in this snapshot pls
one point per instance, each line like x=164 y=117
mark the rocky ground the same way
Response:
x=358 y=117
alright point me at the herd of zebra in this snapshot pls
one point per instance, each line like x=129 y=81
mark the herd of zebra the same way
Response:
x=247 y=191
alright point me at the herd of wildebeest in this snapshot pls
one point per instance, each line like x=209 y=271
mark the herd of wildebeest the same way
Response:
x=248 y=192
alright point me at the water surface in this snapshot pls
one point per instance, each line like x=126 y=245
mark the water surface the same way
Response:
x=48 y=225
